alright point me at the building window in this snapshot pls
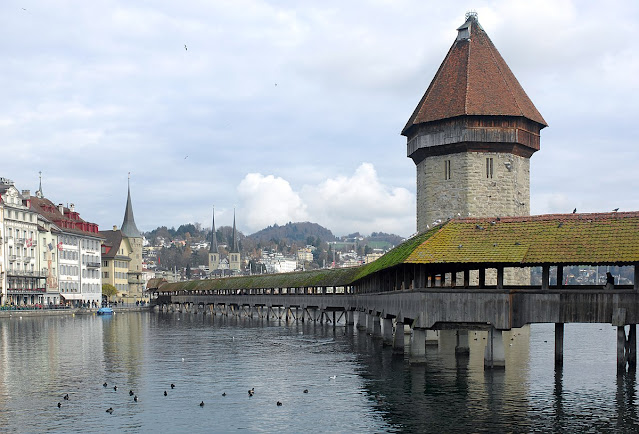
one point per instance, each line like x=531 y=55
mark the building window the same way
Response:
x=489 y=168
x=446 y=169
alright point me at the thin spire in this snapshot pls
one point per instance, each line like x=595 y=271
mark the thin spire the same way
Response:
x=235 y=248
x=39 y=192
x=213 y=248
x=129 y=229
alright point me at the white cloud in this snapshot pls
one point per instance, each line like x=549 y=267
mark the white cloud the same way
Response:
x=362 y=203
x=343 y=204
x=267 y=200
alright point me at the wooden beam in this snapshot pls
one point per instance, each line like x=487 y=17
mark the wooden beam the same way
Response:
x=545 y=276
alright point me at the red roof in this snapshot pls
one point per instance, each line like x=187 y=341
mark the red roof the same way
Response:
x=473 y=80
x=67 y=221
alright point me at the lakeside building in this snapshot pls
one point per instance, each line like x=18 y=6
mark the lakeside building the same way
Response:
x=47 y=259
x=22 y=281
x=78 y=249
x=3 y=277
x=122 y=257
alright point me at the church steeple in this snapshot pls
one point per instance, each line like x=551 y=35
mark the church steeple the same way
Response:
x=39 y=192
x=214 y=256
x=235 y=248
x=213 y=248
x=235 y=262
x=129 y=229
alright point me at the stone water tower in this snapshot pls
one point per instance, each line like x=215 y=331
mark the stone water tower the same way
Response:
x=472 y=135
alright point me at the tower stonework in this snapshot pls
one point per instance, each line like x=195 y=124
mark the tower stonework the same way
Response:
x=472 y=135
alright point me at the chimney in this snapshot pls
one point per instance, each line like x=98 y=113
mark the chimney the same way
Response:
x=61 y=208
x=115 y=228
x=26 y=194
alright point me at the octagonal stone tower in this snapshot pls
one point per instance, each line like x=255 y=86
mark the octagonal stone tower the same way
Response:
x=472 y=135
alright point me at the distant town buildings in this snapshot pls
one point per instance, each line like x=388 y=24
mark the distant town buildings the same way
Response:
x=277 y=263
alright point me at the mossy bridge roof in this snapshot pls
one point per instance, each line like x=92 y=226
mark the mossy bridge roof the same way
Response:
x=569 y=239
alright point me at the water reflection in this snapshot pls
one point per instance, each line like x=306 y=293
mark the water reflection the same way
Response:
x=41 y=358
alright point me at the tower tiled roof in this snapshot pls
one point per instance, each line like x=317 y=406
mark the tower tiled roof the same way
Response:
x=473 y=80
x=129 y=229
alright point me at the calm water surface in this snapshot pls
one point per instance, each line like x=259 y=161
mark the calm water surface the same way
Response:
x=42 y=358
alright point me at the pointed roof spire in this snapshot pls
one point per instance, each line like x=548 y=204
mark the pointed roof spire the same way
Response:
x=235 y=248
x=129 y=229
x=213 y=248
x=473 y=80
x=39 y=192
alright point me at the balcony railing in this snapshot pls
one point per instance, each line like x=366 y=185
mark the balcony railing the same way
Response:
x=15 y=291
x=27 y=273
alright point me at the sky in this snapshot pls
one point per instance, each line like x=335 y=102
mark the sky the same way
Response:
x=292 y=110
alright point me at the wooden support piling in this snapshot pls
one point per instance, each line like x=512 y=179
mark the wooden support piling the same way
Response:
x=621 y=350
x=559 y=344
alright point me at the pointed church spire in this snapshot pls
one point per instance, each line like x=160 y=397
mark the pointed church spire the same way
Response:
x=39 y=192
x=213 y=248
x=235 y=248
x=129 y=229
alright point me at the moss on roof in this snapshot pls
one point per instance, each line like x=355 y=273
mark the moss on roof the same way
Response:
x=326 y=277
x=611 y=238
x=397 y=255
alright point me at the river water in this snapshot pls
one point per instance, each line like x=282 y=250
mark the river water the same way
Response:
x=354 y=383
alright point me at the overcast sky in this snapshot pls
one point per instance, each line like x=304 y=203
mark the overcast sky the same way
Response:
x=292 y=110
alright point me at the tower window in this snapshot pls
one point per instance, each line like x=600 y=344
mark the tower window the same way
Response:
x=446 y=169
x=489 y=168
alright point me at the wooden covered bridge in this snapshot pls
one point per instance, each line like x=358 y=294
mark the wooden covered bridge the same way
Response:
x=464 y=274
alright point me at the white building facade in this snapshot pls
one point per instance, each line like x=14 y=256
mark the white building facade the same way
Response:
x=23 y=283
x=78 y=253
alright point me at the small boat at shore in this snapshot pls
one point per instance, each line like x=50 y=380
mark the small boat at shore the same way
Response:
x=105 y=311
